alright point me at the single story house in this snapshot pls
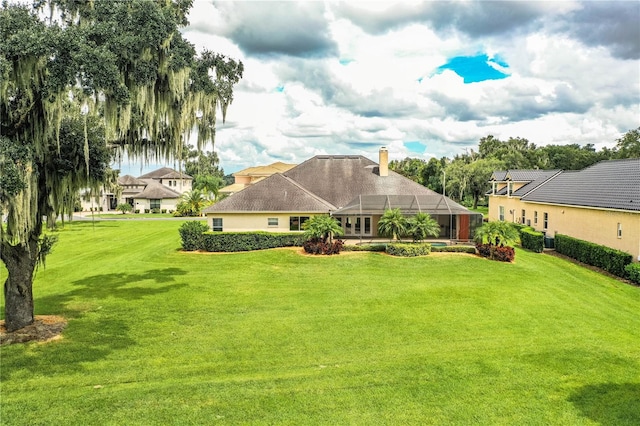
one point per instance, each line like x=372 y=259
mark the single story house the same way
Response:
x=600 y=204
x=352 y=188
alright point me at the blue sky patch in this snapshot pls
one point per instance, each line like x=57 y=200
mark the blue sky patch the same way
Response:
x=415 y=146
x=280 y=89
x=474 y=69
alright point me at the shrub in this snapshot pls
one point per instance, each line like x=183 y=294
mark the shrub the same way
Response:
x=124 y=208
x=365 y=247
x=502 y=254
x=454 y=249
x=633 y=272
x=246 y=241
x=146 y=210
x=163 y=211
x=191 y=235
x=408 y=250
x=136 y=211
x=318 y=246
x=606 y=258
x=531 y=239
x=155 y=211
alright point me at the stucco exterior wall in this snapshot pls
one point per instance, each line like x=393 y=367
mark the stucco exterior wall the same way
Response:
x=142 y=204
x=244 y=222
x=596 y=225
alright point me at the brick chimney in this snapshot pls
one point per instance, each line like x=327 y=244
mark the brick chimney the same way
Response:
x=383 y=169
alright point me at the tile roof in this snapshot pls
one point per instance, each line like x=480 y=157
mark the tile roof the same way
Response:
x=611 y=184
x=277 y=167
x=273 y=194
x=499 y=175
x=339 y=179
x=155 y=190
x=130 y=180
x=543 y=176
x=165 y=173
x=526 y=175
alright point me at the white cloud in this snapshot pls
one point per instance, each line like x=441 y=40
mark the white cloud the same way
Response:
x=338 y=78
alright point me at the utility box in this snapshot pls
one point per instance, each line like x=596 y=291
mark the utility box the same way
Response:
x=549 y=242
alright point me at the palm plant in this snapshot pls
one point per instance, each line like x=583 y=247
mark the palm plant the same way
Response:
x=497 y=234
x=323 y=227
x=422 y=225
x=192 y=203
x=392 y=224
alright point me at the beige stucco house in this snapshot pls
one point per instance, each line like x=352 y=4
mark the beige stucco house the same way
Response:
x=353 y=189
x=252 y=175
x=600 y=204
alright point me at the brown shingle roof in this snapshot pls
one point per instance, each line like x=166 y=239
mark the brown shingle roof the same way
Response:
x=339 y=179
x=273 y=194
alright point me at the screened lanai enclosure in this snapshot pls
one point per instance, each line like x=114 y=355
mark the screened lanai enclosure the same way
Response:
x=359 y=218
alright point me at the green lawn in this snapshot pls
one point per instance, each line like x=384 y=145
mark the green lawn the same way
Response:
x=157 y=336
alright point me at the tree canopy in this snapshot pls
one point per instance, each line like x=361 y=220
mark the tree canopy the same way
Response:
x=467 y=174
x=124 y=65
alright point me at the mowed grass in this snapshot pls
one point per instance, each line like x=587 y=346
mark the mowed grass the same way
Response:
x=158 y=336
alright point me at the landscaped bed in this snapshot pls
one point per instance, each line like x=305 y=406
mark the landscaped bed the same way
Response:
x=160 y=336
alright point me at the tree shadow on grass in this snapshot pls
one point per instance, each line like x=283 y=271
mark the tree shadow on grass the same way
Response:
x=609 y=403
x=92 y=334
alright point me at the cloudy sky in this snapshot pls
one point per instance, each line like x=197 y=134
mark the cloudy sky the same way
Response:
x=424 y=78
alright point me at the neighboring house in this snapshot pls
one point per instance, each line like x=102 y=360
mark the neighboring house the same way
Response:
x=159 y=189
x=252 y=175
x=354 y=189
x=600 y=204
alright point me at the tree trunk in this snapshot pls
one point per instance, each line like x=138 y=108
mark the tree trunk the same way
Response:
x=20 y=261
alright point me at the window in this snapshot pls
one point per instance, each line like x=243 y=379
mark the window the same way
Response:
x=170 y=183
x=545 y=220
x=523 y=217
x=216 y=224
x=154 y=204
x=535 y=218
x=501 y=214
x=619 y=230
x=296 y=222
x=272 y=221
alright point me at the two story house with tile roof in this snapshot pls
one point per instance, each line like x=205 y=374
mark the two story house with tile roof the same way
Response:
x=252 y=175
x=354 y=189
x=600 y=204
x=160 y=189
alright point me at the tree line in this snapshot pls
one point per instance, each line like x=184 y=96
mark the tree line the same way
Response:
x=465 y=177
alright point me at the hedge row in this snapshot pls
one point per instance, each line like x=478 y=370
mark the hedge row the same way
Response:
x=247 y=241
x=611 y=260
x=454 y=249
x=633 y=272
x=191 y=235
x=408 y=250
x=195 y=236
x=531 y=239
x=365 y=247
